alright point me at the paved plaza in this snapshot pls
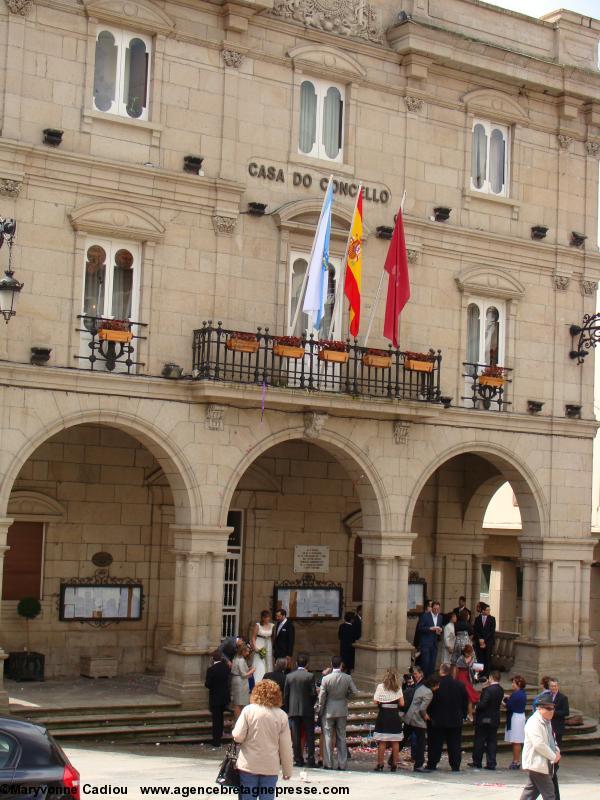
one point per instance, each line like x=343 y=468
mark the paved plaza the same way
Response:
x=196 y=766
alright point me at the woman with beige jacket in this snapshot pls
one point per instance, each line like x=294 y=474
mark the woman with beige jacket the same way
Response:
x=263 y=731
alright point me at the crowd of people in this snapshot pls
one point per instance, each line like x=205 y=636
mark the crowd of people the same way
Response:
x=277 y=708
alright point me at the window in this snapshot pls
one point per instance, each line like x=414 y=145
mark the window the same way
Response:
x=299 y=267
x=111 y=279
x=23 y=562
x=485 y=579
x=233 y=576
x=489 y=158
x=485 y=332
x=321 y=120
x=122 y=73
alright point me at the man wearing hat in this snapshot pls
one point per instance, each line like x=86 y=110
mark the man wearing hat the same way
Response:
x=540 y=751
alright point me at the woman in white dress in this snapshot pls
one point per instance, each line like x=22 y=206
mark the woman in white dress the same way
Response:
x=262 y=646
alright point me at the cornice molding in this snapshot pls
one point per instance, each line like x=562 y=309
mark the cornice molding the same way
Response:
x=138 y=14
x=501 y=106
x=326 y=60
x=110 y=219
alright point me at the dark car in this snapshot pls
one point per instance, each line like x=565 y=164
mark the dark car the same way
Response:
x=32 y=765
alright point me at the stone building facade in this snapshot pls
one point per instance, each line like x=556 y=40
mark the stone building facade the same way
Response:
x=491 y=123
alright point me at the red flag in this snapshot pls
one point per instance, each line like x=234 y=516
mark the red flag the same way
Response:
x=396 y=265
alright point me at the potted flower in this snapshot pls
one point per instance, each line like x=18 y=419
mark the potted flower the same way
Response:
x=288 y=347
x=419 y=362
x=26 y=665
x=380 y=359
x=492 y=376
x=115 y=330
x=242 y=342
x=333 y=350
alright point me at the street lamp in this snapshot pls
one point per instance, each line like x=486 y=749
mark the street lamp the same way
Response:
x=9 y=285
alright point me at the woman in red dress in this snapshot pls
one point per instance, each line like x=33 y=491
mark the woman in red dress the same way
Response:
x=464 y=673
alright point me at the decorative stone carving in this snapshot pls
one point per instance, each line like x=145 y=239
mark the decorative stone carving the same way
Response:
x=413 y=103
x=564 y=141
x=353 y=18
x=412 y=255
x=232 y=58
x=561 y=282
x=215 y=416
x=589 y=288
x=9 y=187
x=401 y=432
x=225 y=225
x=593 y=148
x=313 y=424
x=22 y=7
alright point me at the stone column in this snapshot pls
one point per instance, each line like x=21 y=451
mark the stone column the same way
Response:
x=584 y=602
x=385 y=590
x=476 y=581
x=542 y=619
x=529 y=576
x=200 y=557
x=4 y=526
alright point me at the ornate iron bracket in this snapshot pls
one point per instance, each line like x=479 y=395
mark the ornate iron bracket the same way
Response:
x=589 y=336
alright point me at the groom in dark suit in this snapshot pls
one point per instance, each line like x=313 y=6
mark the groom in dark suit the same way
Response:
x=283 y=645
x=484 y=633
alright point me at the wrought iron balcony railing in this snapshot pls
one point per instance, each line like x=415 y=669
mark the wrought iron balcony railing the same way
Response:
x=488 y=386
x=110 y=343
x=309 y=364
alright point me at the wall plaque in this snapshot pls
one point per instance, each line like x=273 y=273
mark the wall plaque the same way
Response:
x=311 y=558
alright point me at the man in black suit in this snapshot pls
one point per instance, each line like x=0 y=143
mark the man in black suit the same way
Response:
x=484 y=633
x=561 y=712
x=487 y=720
x=447 y=711
x=283 y=645
x=300 y=696
x=217 y=683
x=429 y=628
x=278 y=675
x=462 y=605
x=347 y=637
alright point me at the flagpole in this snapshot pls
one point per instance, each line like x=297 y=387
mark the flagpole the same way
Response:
x=292 y=328
x=341 y=283
x=379 y=288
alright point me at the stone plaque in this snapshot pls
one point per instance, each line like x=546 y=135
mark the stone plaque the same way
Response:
x=311 y=558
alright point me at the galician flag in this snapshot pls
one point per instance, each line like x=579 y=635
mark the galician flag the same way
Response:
x=396 y=266
x=354 y=266
x=318 y=269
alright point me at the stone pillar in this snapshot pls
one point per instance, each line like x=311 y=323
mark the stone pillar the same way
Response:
x=476 y=582
x=529 y=576
x=584 y=602
x=4 y=526
x=542 y=619
x=385 y=593
x=200 y=558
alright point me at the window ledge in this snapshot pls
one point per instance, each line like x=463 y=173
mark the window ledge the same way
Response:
x=331 y=167
x=470 y=194
x=154 y=127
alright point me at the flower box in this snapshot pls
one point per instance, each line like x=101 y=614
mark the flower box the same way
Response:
x=115 y=336
x=334 y=356
x=491 y=380
x=418 y=366
x=242 y=345
x=379 y=362
x=288 y=351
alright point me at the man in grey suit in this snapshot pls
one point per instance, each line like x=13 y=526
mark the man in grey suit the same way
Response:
x=300 y=695
x=336 y=689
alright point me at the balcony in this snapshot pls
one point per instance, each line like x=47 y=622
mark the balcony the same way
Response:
x=487 y=386
x=309 y=364
x=111 y=344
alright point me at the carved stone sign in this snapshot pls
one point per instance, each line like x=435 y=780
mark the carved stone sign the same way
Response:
x=311 y=558
x=344 y=188
x=354 y=18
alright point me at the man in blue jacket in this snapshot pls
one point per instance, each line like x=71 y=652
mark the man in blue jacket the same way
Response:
x=429 y=629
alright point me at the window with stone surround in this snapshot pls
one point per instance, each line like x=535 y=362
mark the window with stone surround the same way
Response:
x=321 y=119
x=122 y=73
x=489 y=158
x=299 y=265
x=111 y=279
x=485 y=331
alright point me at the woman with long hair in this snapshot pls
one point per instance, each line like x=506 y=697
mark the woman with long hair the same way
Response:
x=240 y=690
x=263 y=733
x=515 y=718
x=388 y=725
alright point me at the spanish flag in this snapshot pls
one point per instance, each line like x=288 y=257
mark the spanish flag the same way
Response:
x=354 y=265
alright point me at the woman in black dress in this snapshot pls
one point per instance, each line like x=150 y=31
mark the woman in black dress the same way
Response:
x=388 y=725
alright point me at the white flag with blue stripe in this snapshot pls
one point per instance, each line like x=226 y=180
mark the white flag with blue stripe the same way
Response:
x=318 y=269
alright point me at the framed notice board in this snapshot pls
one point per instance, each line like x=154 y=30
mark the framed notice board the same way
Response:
x=309 y=600
x=107 y=602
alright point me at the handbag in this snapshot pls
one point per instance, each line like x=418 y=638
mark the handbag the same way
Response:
x=229 y=774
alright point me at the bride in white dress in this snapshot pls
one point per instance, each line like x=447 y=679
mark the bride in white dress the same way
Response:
x=262 y=640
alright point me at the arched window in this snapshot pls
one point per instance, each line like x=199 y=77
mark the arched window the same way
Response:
x=122 y=73
x=485 y=342
x=299 y=265
x=111 y=279
x=489 y=162
x=321 y=120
